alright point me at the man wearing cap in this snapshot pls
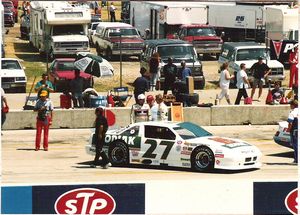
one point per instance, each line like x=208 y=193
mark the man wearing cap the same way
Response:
x=101 y=127
x=260 y=71
x=140 y=110
x=44 y=84
x=44 y=108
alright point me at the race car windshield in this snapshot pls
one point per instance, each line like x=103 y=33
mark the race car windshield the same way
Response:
x=189 y=130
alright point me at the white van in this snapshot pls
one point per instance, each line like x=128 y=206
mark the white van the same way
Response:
x=236 y=53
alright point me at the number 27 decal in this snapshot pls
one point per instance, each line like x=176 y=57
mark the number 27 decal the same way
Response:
x=153 y=145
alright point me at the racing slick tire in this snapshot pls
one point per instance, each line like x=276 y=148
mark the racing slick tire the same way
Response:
x=118 y=154
x=202 y=159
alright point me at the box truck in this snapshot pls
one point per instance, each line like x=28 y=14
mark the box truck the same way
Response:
x=282 y=32
x=57 y=28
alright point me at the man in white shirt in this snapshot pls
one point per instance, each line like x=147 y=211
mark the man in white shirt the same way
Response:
x=159 y=111
x=242 y=84
x=140 y=110
x=112 y=12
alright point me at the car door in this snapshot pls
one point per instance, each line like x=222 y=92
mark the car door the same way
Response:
x=157 y=143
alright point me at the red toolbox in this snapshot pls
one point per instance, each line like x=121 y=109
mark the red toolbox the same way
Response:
x=65 y=101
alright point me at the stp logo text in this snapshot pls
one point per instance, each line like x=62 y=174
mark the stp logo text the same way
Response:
x=292 y=201
x=85 y=201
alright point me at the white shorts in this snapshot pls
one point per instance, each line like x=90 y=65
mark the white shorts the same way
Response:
x=224 y=92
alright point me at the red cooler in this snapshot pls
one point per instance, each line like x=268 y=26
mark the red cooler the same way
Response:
x=65 y=101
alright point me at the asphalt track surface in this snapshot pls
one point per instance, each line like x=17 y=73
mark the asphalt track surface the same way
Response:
x=67 y=162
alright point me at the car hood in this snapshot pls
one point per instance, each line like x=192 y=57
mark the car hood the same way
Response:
x=127 y=40
x=220 y=142
x=70 y=74
x=202 y=38
x=270 y=63
x=70 y=38
x=12 y=73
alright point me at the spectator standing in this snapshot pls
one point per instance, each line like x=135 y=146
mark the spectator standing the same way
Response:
x=170 y=72
x=185 y=72
x=76 y=87
x=154 y=70
x=112 y=12
x=260 y=71
x=141 y=84
x=101 y=127
x=159 y=111
x=293 y=127
x=139 y=111
x=293 y=60
x=44 y=108
x=242 y=83
x=224 y=83
x=43 y=85
x=277 y=93
x=4 y=107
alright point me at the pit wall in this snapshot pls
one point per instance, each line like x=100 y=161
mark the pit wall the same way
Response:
x=205 y=116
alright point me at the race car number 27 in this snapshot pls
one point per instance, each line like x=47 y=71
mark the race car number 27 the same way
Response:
x=153 y=145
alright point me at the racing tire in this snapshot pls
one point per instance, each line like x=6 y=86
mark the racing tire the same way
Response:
x=202 y=159
x=108 y=54
x=118 y=154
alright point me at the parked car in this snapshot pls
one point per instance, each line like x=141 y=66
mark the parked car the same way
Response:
x=10 y=6
x=282 y=137
x=25 y=27
x=62 y=72
x=91 y=31
x=176 y=144
x=236 y=53
x=13 y=78
x=108 y=36
x=178 y=50
x=203 y=37
x=8 y=18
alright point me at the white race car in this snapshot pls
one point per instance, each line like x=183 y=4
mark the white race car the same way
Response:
x=282 y=137
x=178 y=145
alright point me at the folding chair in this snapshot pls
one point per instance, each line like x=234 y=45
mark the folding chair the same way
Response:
x=123 y=93
x=176 y=112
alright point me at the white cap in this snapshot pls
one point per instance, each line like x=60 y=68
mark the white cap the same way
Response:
x=141 y=96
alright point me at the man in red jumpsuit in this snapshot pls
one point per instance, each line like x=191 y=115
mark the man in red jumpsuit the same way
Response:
x=293 y=60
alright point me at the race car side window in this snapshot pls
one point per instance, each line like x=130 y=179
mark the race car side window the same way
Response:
x=133 y=131
x=158 y=132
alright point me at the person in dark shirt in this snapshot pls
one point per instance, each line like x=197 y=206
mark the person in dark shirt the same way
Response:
x=170 y=72
x=101 y=127
x=260 y=71
x=277 y=93
x=76 y=87
x=141 y=84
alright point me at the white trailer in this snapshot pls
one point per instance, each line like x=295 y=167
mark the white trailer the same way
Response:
x=164 y=18
x=57 y=28
x=281 y=23
x=239 y=22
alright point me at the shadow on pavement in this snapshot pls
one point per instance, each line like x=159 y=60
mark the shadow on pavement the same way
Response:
x=140 y=166
x=283 y=154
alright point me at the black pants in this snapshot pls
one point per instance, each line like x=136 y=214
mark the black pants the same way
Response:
x=241 y=92
x=100 y=153
x=167 y=87
x=112 y=16
x=3 y=118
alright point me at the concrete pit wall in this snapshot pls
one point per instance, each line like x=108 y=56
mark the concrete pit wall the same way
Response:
x=213 y=116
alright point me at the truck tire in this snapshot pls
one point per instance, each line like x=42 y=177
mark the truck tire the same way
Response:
x=201 y=84
x=98 y=50
x=108 y=54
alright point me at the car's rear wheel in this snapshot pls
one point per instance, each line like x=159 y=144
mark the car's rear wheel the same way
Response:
x=202 y=159
x=118 y=154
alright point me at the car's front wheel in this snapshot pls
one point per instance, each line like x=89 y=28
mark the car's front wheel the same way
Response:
x=202 y=159
x=118 y=154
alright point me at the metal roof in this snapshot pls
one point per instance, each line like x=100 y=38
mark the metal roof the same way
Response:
x=114 y=24
x=241 y=44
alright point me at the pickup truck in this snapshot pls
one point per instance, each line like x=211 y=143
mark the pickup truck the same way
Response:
x=109 y=36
